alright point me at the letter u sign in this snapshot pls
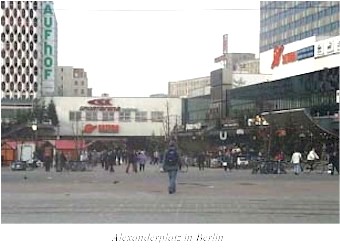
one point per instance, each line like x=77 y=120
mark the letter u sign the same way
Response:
x=223 y=135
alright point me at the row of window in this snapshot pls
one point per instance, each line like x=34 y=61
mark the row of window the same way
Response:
x=19 y=4
x=305 y=91
x=16 y=70
x=295 y=26
x=254 y=107
x=76 y=83
x=20 y=21
x=324 y=30
x=123 y=116
x=19 y=86
x=319 y=13
x=19 y=37
x=76 y=91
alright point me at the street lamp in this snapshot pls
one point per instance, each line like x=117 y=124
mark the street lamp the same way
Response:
x=35 y=128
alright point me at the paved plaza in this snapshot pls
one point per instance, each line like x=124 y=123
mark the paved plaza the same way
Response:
x=209 y=196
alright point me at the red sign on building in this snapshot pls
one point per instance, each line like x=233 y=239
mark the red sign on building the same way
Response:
x=102 y=128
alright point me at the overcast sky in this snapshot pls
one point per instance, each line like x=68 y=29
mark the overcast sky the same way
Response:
x=133 y=48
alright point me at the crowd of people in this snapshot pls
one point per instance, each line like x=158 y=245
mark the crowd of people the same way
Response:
x=170 y=162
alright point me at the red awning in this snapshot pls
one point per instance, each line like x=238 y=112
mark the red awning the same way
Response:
x=10 y=144
x=69 y=144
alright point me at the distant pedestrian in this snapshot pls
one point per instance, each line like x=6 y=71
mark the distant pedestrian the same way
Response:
x=171 y=165
x=296 y=160
x=48 y=162
x=311 y=157
x=156 y=157
x=201 y=159
x=103 y=157
x=279 y=158
x=141 y=160
x=111 y=160
x=334 y=160
x=132 y=160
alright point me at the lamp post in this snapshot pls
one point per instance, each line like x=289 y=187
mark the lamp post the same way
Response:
x=35 y=128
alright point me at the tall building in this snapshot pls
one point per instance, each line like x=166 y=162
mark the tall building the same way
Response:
x=251 y=66
x=236 y=58
x=72 y=82
x=283 y=22
x=185 y=87
x=28 y=50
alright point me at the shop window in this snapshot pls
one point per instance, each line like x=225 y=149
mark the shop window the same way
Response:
x=125 y=116
x=141 y=116
x=74 y=115
x=108 y=116
x=91 y=116
x=157 y=116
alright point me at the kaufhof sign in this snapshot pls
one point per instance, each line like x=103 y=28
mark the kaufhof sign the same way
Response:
x=327 y=47
x=48 y=48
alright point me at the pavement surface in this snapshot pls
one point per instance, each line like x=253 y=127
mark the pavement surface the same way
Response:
x=209 y=196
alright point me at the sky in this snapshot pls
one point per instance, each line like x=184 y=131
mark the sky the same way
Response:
x=133 y=48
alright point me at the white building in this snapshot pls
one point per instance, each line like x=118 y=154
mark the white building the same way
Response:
x=72 y=81
x=116 y=117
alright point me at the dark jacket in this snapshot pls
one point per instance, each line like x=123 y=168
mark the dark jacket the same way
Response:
x=175 y=167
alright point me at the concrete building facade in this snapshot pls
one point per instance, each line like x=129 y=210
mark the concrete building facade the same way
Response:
x=28 y=50
x=184 y=87
x=72 y=82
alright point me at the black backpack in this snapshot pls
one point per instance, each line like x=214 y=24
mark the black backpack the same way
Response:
x=171 y=157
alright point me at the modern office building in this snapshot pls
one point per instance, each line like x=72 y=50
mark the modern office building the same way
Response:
x=72 y=82
x=183 y=88
x=283 y=22
x=250 y=67
x=301 y=103
x=28 y=53
x=235 y=59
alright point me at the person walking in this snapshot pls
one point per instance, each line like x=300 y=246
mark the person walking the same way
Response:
x=334 y=160
x=311 y=157
x=132 y=160
x=201 y=159
x=279 y=158
x=156 y=157
x=171 y=165
x=111 y=160
x=296 y=160
x=141 y=160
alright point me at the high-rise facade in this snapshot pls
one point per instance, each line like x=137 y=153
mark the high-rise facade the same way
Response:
x=185 y=87
x=28 y=50
x=283 y=22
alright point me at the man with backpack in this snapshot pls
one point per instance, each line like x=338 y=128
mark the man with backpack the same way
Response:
x=171 y=165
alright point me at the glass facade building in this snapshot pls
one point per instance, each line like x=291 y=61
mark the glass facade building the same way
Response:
x=315 y=91
x=195 y=109
x=283 y=22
